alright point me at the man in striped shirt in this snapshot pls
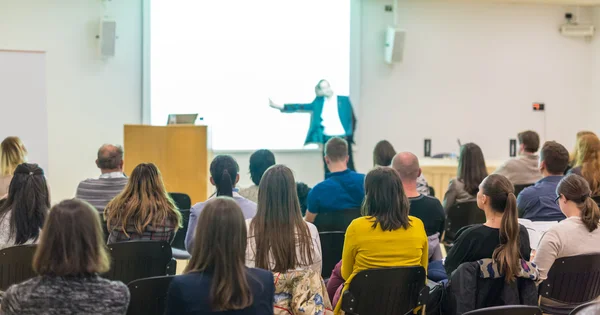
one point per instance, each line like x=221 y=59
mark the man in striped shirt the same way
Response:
x=100 y=191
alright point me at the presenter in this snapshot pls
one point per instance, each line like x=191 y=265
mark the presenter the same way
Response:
x=331 y=116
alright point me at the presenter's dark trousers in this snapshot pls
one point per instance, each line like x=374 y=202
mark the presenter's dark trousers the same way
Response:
x=350 y=158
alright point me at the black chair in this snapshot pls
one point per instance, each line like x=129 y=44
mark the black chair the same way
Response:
x=390 y=291
x=519 y=188
x=337 y=220
x=15 y=265
x=506 y=310
x=592 y=308
x=179 y=240
x=149 y=295
x=431 y=191
x=140 y=259
x=332 y=244
x=461 y=215
x=572 y=281
x=182 y=201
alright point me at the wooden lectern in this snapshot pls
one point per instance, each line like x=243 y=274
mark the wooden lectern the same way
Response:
x=180 y=151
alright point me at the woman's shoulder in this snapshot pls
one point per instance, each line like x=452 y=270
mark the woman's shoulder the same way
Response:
x=472 y=231
x=261 y=274
x=117 y=288
x=312 y=228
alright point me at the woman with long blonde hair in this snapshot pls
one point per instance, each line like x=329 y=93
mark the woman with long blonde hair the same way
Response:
x=12 y=153
x=575 y=153
x=587 y=163
x=143 y=210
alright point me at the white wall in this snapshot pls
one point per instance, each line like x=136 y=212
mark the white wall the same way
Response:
x=595 y=104
x=89 y=99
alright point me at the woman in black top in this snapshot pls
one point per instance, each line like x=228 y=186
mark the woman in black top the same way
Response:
x=501 y=237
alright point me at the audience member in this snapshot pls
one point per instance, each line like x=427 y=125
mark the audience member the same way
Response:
x=383 y=154
x=303 y=190
x=501 y=238
x=23 y=213
x=578 y=234
x=69 y=257
x=471 y=171
x=100 y=191
x=12 y=153
x=524 y=169
x=260 y=161
x=143 y=210
x=278 y=238
x=217 y=281
x=575 y=154
x=372 y=241
x=537 y=203
x=588 y=161
x=224 y=176
x=343 y=189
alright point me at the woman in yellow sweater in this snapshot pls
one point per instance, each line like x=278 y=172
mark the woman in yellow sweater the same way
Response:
x=386 y=236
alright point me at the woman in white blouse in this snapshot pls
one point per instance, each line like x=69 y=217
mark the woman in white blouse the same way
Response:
x=279 y=239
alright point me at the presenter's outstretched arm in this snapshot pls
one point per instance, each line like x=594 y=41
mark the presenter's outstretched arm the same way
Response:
x=292 y=108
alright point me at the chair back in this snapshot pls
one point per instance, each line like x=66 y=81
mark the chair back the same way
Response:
x=386 y=291
x=182 y=201
x=138 y=259
x=332 y=244
x=519 y=188
x=592 y=308
x=16 y=265
x=179 y=240
x=336 y=220
x=508 y=309
x=148 y=295
x=461 y=215
x=573 y=280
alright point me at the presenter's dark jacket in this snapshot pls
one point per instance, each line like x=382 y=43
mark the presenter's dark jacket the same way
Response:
x=315 y=131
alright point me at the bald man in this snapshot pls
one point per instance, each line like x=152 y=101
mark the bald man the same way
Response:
x=426 y=208
x=100 y=191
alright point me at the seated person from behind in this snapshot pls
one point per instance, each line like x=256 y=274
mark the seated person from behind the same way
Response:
x=303 y=190
x=68 y=260
x=428 y=209
x=12 y=153
x=143 y=210
x=537 y=203
x=100 y=191
x=343 y=189
x=471 y=171
x=497 y=199
x=578 y=234
x=383 y=154
x=216 y=281
x=587 y=163
x=523 y=170
x=260 y=161
x=224 y=176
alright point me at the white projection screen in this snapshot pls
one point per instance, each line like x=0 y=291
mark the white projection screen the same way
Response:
x=225 y=59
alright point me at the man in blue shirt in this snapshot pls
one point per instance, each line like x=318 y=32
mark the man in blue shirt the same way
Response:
x=537 y=203
x=342 y=189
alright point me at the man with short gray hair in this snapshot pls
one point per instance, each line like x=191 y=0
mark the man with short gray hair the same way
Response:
x=100 y=191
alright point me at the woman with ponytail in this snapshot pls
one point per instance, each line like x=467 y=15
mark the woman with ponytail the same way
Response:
x=579 y=233
x=224 y=176
x=501 y=237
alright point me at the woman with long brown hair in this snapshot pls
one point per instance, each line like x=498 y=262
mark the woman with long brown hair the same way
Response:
x=68 y=259
x=501 y=237
x=471 y=172
x=575 y=154
x=143 y=210
x=12 y=153
x=587 y=163
x=279 y=239
x=216 y=281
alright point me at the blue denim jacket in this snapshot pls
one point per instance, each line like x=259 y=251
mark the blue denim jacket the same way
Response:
x=537 y=203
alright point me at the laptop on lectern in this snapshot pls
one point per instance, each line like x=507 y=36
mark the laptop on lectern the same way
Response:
x=182 y=119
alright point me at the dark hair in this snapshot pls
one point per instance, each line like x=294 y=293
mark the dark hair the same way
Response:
x=72 y=242
x=336 y=149
x=501 y=193
x=224 y=170
x=385 y=199
x=110 y=156
x=220 y=248
x=577 y=189
x=555 y=156
x=260 y=161
x=302 y=189
x=471 y=167
x=383 y=153
x=530 y=140
x=278 y=228
x=28 y=202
